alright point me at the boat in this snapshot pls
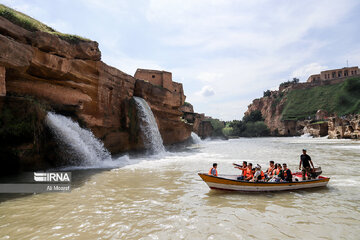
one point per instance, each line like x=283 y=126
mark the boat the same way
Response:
x=230 y=183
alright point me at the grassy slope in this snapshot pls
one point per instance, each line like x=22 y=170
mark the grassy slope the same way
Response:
x=342 y=98
x=33 y=25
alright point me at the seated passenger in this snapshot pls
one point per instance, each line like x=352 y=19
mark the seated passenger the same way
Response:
x=287 y=174
x=275 y=171
x=259 y=174
x=269 y=171
x=243 y=169
x=249 y=173
x=280 y=175
x=213 y=170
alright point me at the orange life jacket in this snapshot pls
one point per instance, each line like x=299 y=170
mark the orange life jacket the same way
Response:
x=270 y=170
x=277 y=171
x=211 y=171
x=249 y=173
x=262 y=175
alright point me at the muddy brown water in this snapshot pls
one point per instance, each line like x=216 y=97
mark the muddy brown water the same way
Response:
x=162 y=197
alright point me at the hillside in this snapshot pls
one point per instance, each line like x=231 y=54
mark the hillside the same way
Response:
x=294 y=107
x=341 y=99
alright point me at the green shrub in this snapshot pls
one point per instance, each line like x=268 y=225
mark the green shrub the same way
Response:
x=256 y=129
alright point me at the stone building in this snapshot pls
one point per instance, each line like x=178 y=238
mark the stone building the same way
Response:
x=156 y=77
x=335 y=74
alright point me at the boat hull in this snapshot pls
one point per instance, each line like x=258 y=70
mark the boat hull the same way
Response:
x=230 y=183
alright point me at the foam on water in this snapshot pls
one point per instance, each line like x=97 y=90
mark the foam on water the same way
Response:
x=151 y=135
x=306 y=135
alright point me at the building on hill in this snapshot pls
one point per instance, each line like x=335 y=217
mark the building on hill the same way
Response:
x=334 y=74
x=156 y=77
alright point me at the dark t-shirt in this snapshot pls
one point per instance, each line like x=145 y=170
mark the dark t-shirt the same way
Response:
x=305 y=160
x=288 y=177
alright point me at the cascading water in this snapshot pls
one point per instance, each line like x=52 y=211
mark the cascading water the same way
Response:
x=151 y=135
x=81 y=147
x=195 y=138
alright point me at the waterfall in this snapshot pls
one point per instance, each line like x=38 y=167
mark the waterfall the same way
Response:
x=151 y=135
x=80 y=145
x=195 y=138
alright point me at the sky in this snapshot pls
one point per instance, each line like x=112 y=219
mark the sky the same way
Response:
x=225 y=53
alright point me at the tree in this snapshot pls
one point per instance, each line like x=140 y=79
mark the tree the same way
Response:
x=254 y=116
x=267 y=93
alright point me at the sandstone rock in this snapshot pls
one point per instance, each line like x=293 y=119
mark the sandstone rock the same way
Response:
x=2 y=82
x=50 y=43
x=165 y=106
x=69 y=79
x=345 y=127
x=317 y=129
x=187 y=108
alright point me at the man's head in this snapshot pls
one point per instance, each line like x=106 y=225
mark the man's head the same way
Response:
x=215 y=165
x=250 y=165
x=244 y=163
x=285 y=166
x=304 y=151
x=272 y=163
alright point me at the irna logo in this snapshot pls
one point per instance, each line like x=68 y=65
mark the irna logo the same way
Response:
x=52 y=177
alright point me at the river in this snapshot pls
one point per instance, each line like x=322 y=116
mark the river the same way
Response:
x=162 y=197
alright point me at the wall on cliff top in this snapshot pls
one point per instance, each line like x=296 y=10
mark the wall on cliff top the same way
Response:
x=71 y=80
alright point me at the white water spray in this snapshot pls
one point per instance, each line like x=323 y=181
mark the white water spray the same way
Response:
x=195 y=138
x=80 y=145
x=151 y=135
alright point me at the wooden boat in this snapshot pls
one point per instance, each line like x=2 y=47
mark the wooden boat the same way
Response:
x=230 y=182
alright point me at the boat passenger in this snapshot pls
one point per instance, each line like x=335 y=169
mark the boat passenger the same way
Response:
x=268 y=172
x=213 y=170
x=287 y=174
x=278 y=174
x=305 y=161
x=243 y=169
x=259 y=174
x=249 y=173
x=275 y=171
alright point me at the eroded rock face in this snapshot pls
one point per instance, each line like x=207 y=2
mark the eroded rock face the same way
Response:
x=165 y=105
x=271 y=110
x=71 y=80
x=344 y=127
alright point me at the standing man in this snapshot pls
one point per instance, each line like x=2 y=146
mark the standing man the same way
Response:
x=305 y=161
x=213 y=170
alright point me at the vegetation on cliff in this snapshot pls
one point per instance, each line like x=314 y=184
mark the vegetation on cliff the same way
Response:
x=33 y=25
x=252 y=125
x=342 y=99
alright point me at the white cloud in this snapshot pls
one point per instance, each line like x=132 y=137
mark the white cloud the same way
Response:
x=206 y=91
x=305 y=71
x=235 y=48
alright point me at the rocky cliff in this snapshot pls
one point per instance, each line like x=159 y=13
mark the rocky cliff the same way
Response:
x=313 y=108
x=69 y=78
